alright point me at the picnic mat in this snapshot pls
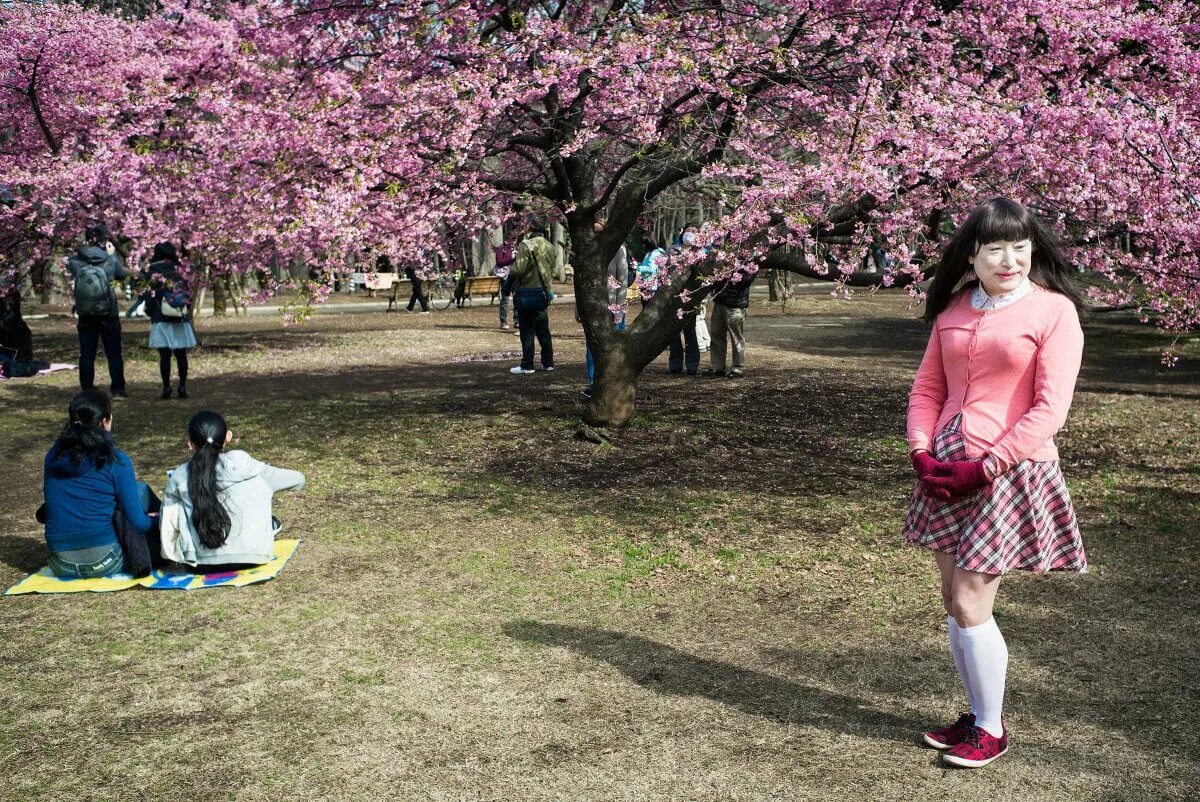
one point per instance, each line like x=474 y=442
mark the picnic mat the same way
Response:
x=54 y=368
x=44 y=581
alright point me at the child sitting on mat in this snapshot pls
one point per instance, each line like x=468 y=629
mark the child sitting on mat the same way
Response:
x=92 y=498
x=217 y=505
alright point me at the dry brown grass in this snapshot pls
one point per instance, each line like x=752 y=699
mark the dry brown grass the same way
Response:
x=716 y=606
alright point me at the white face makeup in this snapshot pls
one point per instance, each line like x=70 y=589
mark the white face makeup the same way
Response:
x=1001 y=266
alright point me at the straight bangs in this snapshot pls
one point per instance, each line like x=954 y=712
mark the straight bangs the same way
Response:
x=1004 y=221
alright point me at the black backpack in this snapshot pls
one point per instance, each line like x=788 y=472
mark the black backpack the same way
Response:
x=93 y=293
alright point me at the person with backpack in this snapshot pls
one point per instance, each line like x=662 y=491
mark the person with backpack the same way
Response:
x=94 y=266
x=95 y=511
x=531 y=275
x=169 y=303
x=217 y=505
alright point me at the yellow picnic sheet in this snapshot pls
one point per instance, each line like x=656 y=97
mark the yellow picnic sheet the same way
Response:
x=44 y=581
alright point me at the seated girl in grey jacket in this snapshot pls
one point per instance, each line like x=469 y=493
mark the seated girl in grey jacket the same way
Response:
x=224 y=499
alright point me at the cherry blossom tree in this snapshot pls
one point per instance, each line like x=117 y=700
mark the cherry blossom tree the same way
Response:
x=257 y=131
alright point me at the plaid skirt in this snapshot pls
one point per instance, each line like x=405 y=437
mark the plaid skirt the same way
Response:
x=1024 y=520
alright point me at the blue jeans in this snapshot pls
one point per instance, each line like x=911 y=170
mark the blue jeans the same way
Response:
x=591 y=363
x=109 y=564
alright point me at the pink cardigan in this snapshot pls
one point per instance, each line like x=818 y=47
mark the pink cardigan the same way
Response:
x=1010 y=371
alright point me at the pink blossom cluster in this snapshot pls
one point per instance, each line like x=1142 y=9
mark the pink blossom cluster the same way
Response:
x=256 y=133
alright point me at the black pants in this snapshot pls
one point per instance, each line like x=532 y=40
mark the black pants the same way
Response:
x=164 y=366
x=684 y=349
x=92 y=332
x=535 y=324
x=418 y=295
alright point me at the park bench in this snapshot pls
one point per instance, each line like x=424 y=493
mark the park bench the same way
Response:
x=373 y=281
x=440 y=295
x=483 y=285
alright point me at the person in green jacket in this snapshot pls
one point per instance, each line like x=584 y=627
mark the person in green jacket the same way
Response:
x=532 y=274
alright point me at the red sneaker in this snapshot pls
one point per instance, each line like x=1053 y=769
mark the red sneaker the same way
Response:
x=978 y=748
x=951 y=735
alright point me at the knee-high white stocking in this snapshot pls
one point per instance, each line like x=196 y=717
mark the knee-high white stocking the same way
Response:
x=985 y=657
x=959 y=663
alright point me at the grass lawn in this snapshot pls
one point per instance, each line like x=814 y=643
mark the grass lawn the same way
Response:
x=717 y=605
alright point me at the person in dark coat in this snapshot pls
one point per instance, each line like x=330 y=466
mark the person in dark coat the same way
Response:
x=15 y=338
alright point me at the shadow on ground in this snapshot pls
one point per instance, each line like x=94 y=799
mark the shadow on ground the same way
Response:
x=666 y=670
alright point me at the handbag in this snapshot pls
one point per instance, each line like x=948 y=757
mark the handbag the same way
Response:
x=169 y=312
x=533 y=299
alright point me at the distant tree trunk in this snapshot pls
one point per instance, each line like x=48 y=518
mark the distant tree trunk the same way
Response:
x=558 y=237
x=780 y=283
x=219 y=294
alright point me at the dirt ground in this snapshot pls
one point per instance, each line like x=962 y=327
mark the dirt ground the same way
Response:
x=715 y=605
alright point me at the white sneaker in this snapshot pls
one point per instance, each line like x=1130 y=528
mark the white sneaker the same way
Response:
x=548 y=369
x=519 y=371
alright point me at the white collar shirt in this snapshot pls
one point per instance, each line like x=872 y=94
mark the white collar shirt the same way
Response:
x=981 y=301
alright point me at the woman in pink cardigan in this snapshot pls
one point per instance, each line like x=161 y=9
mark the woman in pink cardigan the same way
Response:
x=993 y=389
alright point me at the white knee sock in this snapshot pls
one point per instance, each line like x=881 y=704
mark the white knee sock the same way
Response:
x=985 y=656
x=957 y=652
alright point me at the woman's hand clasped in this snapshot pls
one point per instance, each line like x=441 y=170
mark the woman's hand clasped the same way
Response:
x=958 y=478
x=925 y=464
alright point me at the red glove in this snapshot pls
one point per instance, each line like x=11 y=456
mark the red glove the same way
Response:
x=960 y=477
x=924 y=464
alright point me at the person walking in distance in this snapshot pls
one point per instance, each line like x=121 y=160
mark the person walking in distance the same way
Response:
x=418 y=292
x=94 y=266
x=993 y=389
x=531 y=275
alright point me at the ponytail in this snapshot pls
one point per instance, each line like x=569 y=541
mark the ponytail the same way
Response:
x=84 y=437
x=210 y=520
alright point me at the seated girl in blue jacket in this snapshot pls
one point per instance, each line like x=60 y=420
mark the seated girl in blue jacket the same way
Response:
x=223 y=501
x=89 y=484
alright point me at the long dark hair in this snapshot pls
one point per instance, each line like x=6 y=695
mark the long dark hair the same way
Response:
x=83 y=437
x=165 y=252
x=993 y=221
x=210 y=520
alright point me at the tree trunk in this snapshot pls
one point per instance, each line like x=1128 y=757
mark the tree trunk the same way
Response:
x=558 y=238
x=218 y=293
x=780 y=285
x=614 y=394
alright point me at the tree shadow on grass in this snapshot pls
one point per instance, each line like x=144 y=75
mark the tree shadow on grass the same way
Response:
x=23 y=554
x=669 y=671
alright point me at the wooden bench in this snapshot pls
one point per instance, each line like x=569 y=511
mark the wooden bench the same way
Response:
x=373 y=281
x=475 y=285
x=483 y=285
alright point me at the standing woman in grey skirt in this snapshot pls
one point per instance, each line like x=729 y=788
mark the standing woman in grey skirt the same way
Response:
x=169 y=305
